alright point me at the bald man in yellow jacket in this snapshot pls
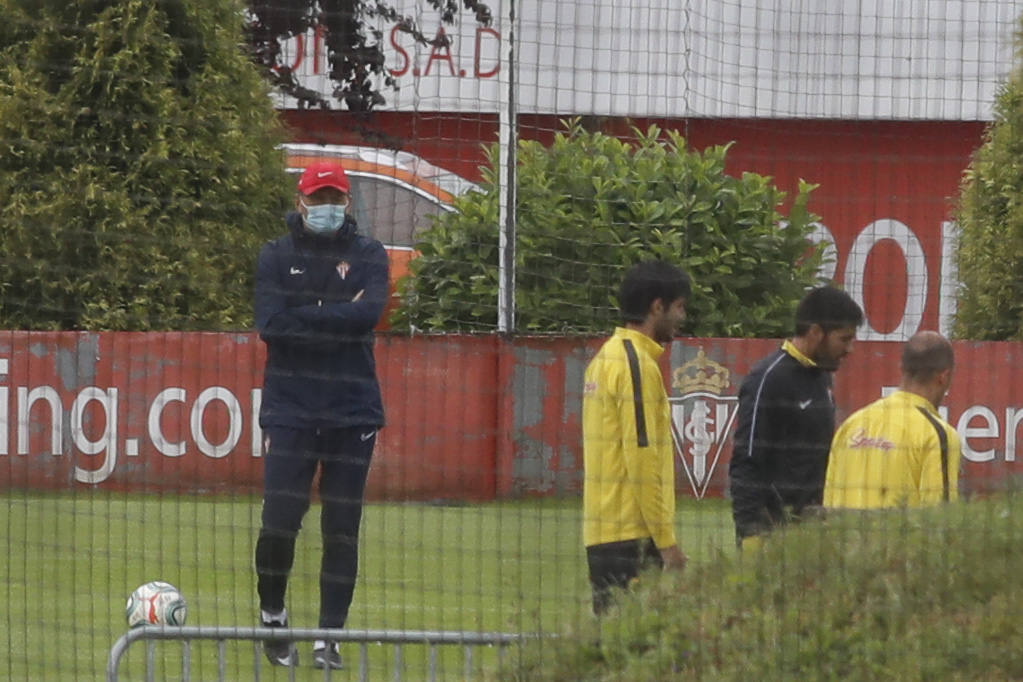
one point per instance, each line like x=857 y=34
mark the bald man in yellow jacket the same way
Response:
x=898 y=451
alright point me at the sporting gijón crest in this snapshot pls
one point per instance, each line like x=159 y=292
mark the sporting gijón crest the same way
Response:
x=701 y=417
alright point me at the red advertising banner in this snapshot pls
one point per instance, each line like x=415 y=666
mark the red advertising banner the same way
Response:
x=885 y=190
x=984 y=403
x=469 y=418
x=178 y=412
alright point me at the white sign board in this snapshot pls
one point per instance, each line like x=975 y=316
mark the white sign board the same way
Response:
x=871 y=60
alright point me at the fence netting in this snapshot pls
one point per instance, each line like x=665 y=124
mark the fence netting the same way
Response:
x=766 y=147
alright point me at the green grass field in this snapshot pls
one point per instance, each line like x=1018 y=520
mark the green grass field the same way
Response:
x=73 y=559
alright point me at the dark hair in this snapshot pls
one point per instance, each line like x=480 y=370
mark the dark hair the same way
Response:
x=647 y=282
x=828 y=307
x=926 y=354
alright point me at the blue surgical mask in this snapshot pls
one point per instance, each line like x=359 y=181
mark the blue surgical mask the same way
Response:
x=324 y=218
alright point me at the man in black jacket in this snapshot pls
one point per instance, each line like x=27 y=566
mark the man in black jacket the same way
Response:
x=787 y=417
x=320 y=291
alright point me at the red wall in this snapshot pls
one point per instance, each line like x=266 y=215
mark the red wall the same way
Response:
x=469 y=418
x=867 y=171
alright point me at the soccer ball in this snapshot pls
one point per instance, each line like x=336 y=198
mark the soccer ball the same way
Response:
x=156 y=603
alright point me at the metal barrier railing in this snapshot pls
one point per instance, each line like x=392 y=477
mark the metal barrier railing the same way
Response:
x=430 y=638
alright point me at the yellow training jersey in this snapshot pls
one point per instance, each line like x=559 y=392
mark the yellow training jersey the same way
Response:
x=896 y=451
x=628 y=456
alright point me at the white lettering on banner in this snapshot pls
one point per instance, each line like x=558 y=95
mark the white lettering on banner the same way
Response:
x=4 y=429
x=991 y=428
x=4 y=397
x=257 y=432
x=160 y=442
x=916 y=271
x=234 y=410
x=1012 y=419
x=966 y=432
x=106 y=443
x=949 y=285
x=25 y=400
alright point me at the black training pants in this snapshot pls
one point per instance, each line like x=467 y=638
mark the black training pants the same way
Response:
x=290 y=462
x=616 y=564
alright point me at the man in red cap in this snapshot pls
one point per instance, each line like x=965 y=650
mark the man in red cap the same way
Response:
x=320 y=291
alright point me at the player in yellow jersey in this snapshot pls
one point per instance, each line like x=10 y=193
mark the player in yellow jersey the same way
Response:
x=898 y=451
x=628 y=456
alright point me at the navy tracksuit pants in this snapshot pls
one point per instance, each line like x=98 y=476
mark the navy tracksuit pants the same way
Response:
x=291 y=459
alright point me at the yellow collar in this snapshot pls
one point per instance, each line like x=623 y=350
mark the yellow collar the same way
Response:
x=913 y=399
x=645 y=343
x=791 y=349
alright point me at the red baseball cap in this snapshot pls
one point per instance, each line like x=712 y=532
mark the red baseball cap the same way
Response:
x=320 y=174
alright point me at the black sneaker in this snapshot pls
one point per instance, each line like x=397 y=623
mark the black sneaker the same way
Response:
x=279 y=651
x=328 y=656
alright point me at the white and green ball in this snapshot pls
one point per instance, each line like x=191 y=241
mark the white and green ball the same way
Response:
x=156 y=603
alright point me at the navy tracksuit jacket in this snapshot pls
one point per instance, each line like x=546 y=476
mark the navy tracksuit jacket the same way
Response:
x=320 y=370
x=321 y=403
x=783 y=434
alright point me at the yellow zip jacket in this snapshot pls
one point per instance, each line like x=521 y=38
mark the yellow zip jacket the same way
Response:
x=628 y=455
x=896 y=451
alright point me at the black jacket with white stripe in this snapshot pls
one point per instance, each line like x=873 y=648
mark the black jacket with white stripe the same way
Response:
x=783 y=433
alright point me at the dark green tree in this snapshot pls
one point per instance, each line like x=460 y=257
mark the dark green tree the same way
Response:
x=139 y=168
x=990 y=217
x=591 y=205
x=354 y=44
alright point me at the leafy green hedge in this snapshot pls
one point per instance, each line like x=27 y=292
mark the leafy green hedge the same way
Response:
x=589 y=206
x=138 y=168
x=899 y=595
x=990 y=217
